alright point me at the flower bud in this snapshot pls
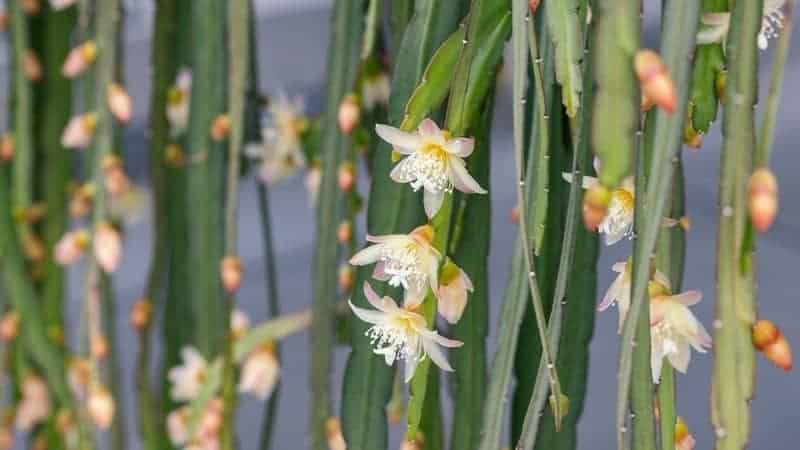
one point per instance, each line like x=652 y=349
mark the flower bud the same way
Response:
x=31 y=66
x=685 y=223
x=79 y=59
x=563 y=404
x=655 y=80
x=720 y=82
x=344 y=233
x=98 y=345
x=533 y=5
x=119 y=102
x=230 y=270
x=107 y=247
x=80 y=202
x=33 y=247
x=762 y=198
x=346 y=177
x=31 y=7
x=79 y=373
x=220 y=127
x=349 y=113
x=514 y=215
x=6 y=147
x=411 y=445
x=9 y=326
x=174 y=156
x=58 y=5
x=683 y=439
x=346 y=278
x=79 y=131
x=333 y=430
x=141 y=313
x=453 y=292
x=101 y=407
x=71 y=247
x=260 y=372
x=240 y=324
x=768 y=339
x=114 y=178
x=595 y=206
x=3 y=21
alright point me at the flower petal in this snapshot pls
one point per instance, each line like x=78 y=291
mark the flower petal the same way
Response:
x=680 y=358
x=437 y=355
x=366 y=256
x=399 y=175
x=462 y=180
x=586 y=181
x=373 y=317
x=411 y=367
x=611 y=294
x=688 y=298
x=461 y=147
x=379 y=273
x=656 y=359
x=385 y=304
x=405 y=143
x=467 y=281
x=428 y=128
x=432 y=201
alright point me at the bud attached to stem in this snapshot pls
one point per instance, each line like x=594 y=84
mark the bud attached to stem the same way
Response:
x=655 y=80
x=79 y=59
x=230 y=270
x=9 y=326
x=595 y=206
x=762 y=198
x=119 y=102
x=141 y=313
x=220 y=127
x=768 y=339
x=349 y=113
x=346 y=176
x=32 y=66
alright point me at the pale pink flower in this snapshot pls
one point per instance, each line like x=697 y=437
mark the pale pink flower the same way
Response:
x=619 y=292
x=618 y=222
x=454 y=288
x=101 y=407
x=281 y=147
x=119 y=102
x=79 y=131
x=79 y=59
x=187 y=379
x=260 y=372
x=435 y=162
x=107 y=247
x=402 y=334
x=71 y=247
x=240 y=323
x=35 y=406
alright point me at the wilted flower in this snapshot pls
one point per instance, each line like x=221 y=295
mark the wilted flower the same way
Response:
x=187 y=379
x=407 y=260
x=71 y=247
x=119 y=102
x=34 y=407
x=716 y=25
x=619 y=292
x=107 y=247
x=260 y=372
x=618 y=222
x=375 y=90
x=435 y=162
x=178 y=102
x=281 y=148
x=402 y=334
x=79 y=131
x=674 y=329
x=101 y=407
x=79 y=59
x=454 y=288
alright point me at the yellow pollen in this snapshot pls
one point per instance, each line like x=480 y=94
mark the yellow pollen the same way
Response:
x=625 y=198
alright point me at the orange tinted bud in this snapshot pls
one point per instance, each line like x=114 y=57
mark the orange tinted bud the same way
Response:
x=230 y=270
x=33 y=247
x=647 y=103
x=349 y=113
x=119 y=102
x=220 y=127
x=107 y=246
x=346 y=177
x=99 y=346
x=9 y=326
x=595 y=206
x=763 y=199
x=31 y=66
x=533 y=5
x=344 y=233
x=333 y=431
x=79 y=59
x=346 y=278
x=769 y=340
x=141 y=312
x=174 y=156
x=6 y=147
x=115 y=179
x=655 y=80
x=685 y=222
x=514 y=215
x=31 y=7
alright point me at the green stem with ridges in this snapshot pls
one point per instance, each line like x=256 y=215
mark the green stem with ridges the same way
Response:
x=732 y=382
x=680 y=21
x=709 y=63
x=666 y=407
x=342 y=72
x=565 y=31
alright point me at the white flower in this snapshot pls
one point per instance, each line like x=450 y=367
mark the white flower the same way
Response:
x=407 y=260
x=618 y=222
x=34 y=407
x=260 y=372
x=375 y=90
x=240 y=323
x=454 y=288
x=716 y=25
x=179 y=101
x=674 y=329
x=435 y=162
x=281 y=148
x=402 y=334
x=619 y=292
x=206 y=430
x=187 y=379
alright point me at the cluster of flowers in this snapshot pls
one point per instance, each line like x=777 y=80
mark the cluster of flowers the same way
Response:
x=716 y=25
x=259 y=375
x=435 y=163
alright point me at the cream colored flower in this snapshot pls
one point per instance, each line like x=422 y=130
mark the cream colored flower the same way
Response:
x=435 y=162
x=402 y=334
x=715 y=26
x=375 y=90
x=618 y=222
x=454 y=288
x=179 y=101
x=35 y=406
x=187 y=379
x=79 y=131
x=674 y=329
x=260 y=372
x=281 y=148
x=101 y=407
x=619 y=293
x=407 y=260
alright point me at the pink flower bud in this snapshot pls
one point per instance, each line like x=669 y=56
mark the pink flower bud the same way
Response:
x=454 y=288
x=31 y=66
x=346 y=278
x=98 y=345
x=333 y=430
x=220 y=127
x=344 y=233
x=119 y=102
x=107 y=247
x=349 y=113
x=655 y=80
x=101 y=407
x=230 y=270
x=79 y=59
x=9 y=326
x=762 y=199
x=80 y=203
x=71 y=247
x=346 y=177
x=79 y=131
x=114 y=178
x=6 y=147
x=31 y=7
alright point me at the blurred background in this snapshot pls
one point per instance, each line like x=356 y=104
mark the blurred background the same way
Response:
x=292 y=42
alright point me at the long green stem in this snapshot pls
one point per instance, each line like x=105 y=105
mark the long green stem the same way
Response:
x=680 y=23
